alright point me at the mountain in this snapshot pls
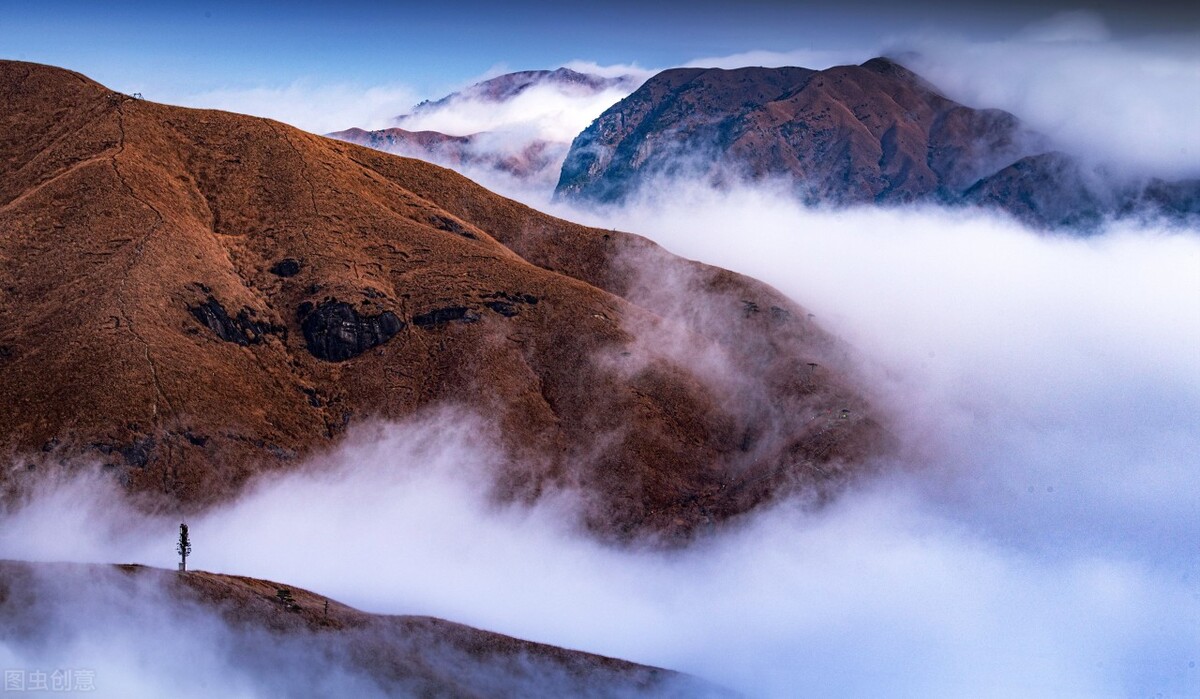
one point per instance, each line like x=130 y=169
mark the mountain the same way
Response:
x=458 y=152
x=519 y=124
x=191 y=298
x=503 y=88
x=272 y=639
x=873 y=133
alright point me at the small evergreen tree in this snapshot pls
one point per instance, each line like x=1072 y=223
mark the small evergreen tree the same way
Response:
x=184 y=547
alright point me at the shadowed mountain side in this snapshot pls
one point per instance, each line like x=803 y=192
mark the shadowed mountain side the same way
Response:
x=293 y=642
x=873 y=133
x=194 y=297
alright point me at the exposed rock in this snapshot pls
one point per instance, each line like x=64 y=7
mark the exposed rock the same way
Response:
x=448 y=224
x=445 y=315
x=286 y=267
x=197 y=440
x=136 y=453
x=243 y=329
x=504 y=308
x=335 y=331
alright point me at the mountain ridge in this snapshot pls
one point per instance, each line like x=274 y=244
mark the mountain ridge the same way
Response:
x=874 y=133
x=192 y=298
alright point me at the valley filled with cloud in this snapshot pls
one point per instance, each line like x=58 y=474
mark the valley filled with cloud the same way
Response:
x=1034 y=532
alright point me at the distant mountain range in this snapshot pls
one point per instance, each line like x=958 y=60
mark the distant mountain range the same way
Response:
x=529 y=146
x=873 y=133
x=461 y=152
x=503 y=88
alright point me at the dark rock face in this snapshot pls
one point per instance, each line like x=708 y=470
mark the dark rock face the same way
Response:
x=504 y=308
x=242 y=329
x=335 y=331
x=874 y=133
x=136 y=454
x=286 y=268
x=450 y=225
x=445 y=315
x=507 y=304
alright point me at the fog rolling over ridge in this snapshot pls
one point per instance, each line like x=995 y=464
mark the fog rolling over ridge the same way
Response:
x=874 y=133
x=1037 y=534
x=1033 y=529
x=513 y=129
x=1126 y=102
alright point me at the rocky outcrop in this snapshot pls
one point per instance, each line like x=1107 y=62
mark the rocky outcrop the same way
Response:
x=286 y=267
x=242 y=329
x=449 y=314
x=335 y=331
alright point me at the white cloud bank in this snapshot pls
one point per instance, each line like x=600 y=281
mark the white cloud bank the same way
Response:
x=541 y=112
x=1038 y=535
x=1129 y=103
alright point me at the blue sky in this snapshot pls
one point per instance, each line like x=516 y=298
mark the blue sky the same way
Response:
x=431 y=46
x=325 y=66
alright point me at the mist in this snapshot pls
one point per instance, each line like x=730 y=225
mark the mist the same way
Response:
x=545 y=111
x=1125 y=103
x=1036 y=532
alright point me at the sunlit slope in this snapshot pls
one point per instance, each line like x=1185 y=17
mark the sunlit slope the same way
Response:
x=192 y=297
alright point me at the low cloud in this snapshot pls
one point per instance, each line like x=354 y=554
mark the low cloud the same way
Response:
x=1035 y=534
x=550 y=112
x=613 y=70
x=1129 y=103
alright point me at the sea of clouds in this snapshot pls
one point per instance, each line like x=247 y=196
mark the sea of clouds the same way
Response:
x=1037 y=533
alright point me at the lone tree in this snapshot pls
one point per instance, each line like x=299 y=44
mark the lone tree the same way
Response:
x=184 y=547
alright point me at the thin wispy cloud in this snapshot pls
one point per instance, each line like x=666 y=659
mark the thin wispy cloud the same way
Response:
x=1130 y=104
x=312 y=106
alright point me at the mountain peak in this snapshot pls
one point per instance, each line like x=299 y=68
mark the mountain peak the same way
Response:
x=875 y=133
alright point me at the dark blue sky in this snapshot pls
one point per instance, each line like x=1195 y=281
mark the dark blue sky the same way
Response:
x=161 y=47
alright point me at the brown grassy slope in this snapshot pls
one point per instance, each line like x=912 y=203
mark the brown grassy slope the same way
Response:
x=193 y=297
x=274 y=633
